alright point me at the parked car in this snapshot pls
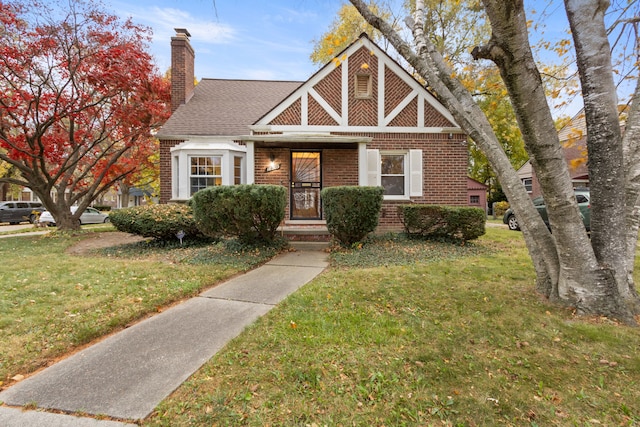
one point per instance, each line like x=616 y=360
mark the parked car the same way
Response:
x=89 y=216
x=17 y=212
x=583 y=198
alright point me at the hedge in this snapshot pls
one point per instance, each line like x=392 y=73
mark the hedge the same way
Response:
x=351 y=212
x=251 y=213
x=161 y=222
x=433 y=221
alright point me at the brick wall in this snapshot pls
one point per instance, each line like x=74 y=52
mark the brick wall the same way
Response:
x=182 y=70
x=165 y=169
x=363 y=111
x=444 y=162
x=445 y=171
x=277 y=177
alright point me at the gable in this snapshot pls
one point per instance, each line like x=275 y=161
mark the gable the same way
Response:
x=361 y=90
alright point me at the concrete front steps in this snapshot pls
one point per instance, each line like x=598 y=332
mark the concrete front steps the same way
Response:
x=305 y=231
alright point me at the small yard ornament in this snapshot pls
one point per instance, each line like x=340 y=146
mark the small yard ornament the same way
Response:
x=180 y=236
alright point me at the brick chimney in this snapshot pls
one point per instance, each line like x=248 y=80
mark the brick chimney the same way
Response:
x=182 y=73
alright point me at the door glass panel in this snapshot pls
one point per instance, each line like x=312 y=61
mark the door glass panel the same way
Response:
x=305 y=185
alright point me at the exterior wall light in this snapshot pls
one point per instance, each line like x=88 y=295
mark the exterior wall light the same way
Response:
x=273 y=166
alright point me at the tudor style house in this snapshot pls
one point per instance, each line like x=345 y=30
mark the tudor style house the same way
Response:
x=360 y=120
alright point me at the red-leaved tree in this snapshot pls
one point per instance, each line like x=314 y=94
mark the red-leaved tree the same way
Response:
x=80 y=98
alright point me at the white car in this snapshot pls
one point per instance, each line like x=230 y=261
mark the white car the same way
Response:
x=89 y=216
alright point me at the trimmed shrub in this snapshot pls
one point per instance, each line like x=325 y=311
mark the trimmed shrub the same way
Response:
x=251 y=213
x=432 y=221
x=161 y=222
x=351 y=212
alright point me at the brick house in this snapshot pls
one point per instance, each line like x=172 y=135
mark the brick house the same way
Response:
x=360 y=120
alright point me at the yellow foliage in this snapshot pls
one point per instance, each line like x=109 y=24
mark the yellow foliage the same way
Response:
x=345 y=29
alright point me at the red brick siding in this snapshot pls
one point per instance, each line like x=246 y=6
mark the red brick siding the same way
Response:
x=408 y=116
x=395 y=90
x=339 y=167
x=318 y=115
x=445 y=170
x=277 y=177
x=330 y=89
x=290 y=116
x=363 y=112
x=182 y=72
x=165 y=169
x=432 y=118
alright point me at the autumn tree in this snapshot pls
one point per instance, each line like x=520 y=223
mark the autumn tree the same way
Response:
x=346 y=28
x=593 y=275
x=146 y=175
x=80 y=99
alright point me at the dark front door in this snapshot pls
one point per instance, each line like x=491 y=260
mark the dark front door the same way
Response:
x=305 y=185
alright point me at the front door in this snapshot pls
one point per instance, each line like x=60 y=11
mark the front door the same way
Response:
x=305 y=185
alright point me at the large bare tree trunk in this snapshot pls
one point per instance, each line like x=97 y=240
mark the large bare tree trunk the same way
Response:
x=631 y=151
x=566 y=265
x=585 y=281
x=604 y=140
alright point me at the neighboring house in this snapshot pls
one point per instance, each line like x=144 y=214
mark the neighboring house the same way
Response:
x=477 y=193
x=360 y=120
x=573 y=139
x=23 y=194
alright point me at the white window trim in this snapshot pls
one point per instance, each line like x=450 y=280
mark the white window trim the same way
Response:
x=371 y=171
x=181 y=167
x=205 y=156
x=406 y=174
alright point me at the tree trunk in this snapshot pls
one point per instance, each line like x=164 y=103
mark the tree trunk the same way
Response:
x=604 y=141
x=566 y=265
x=631 y=152
x=581 y=282
x=124 y=195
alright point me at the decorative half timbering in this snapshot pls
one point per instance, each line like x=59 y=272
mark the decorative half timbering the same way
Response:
x=363 y=90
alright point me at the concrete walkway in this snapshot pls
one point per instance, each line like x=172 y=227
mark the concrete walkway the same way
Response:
x=128 y=374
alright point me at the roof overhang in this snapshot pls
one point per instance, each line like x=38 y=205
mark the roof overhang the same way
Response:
x=208 y=144
x=305 y=140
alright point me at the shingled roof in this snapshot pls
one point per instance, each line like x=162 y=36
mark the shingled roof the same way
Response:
x=225 y=107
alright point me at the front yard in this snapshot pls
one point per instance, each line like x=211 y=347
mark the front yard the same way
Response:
x=53 y=300
x=396 y=332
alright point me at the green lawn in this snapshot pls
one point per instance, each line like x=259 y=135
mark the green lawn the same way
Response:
x=453 y=336
x=395 y=333
x=51 y=302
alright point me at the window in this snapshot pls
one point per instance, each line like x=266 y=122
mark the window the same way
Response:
x=474 y=200
x=363 y=86
x=399 y=172
x=392 y=174
x=528 y=184
x=237 y=170
x=205 y=172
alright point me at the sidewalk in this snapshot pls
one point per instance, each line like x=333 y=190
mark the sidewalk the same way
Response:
x=128 y=374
